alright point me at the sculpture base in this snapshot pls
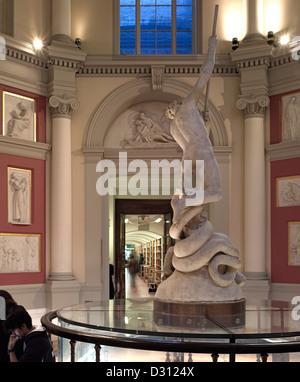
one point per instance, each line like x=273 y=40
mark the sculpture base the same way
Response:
x=191 y=315
x=196 y=286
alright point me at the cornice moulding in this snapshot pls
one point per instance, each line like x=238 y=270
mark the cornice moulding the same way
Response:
x=283 y=150
x=73 y=58
x=20 y=147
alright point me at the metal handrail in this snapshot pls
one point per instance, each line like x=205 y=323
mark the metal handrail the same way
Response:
x=214 y=348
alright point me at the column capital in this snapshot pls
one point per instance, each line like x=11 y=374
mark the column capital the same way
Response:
x=253 y=105
x=62 y=106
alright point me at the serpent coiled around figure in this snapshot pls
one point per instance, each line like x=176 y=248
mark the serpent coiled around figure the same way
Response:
x=198 y=246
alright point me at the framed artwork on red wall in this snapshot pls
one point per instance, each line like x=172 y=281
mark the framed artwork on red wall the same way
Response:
x=19 y=116
x=22 y=114
x=20 y=253
x=294 y=243
x=19 y=196
x=288 y=191
x=290 y=105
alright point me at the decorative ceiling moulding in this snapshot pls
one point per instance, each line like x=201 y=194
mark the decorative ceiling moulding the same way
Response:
x=142 y=69
x=97 y=65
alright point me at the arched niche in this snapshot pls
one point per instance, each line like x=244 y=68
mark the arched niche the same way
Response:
x=140 y=92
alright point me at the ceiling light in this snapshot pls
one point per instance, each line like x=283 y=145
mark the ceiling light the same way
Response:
x=158 y=220
x=284 y=40
x=37 y=44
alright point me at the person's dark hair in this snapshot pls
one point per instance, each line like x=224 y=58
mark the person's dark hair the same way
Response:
x=9 y=301
x=17 y=317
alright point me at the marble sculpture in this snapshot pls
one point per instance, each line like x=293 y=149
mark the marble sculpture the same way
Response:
x=203 y=265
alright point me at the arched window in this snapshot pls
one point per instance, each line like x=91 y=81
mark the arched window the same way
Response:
x=157 y=26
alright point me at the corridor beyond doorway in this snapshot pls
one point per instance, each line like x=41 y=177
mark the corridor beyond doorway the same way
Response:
x=140 y=210
x=145 y=239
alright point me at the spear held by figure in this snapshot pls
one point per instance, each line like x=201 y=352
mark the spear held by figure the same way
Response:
x=214 y=33
x=189 y=131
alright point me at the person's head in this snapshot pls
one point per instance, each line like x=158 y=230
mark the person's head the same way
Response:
x=19 y=321
x=9 y=301
x=173 y=108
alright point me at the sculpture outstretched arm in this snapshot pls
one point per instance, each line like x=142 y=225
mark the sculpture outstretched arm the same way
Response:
x=207 y=70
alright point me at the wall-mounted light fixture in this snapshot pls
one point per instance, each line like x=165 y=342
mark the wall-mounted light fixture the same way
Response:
x=78 y=42
x=271 y=39
x=275 y=41
x=235 y=43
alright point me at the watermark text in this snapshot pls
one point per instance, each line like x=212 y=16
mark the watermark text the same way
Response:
x=296 y=309
x=157 y=177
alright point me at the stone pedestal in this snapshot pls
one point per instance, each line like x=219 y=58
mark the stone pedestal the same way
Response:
x=193 y=300
x=194 y=287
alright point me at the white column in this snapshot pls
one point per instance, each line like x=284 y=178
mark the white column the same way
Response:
x=254 y=15
x=61 y=188
x=61 y=20
x=254 y=186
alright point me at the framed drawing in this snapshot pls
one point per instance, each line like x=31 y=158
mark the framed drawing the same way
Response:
x=288 y=191
x=19 y=116
x=291 y=117
x=20 y=253
x=19 y=196
x=294 y=243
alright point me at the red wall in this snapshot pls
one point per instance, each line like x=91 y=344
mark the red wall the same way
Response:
x=37 y=225
x=37 y=168
x=281 y=272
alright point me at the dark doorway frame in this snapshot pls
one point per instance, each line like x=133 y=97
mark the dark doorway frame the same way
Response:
x=132 y=207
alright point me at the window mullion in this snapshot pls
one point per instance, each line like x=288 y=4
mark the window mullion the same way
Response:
x=138 y=28
x=174 y=27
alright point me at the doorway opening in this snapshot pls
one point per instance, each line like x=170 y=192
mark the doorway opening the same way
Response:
x=142 y=231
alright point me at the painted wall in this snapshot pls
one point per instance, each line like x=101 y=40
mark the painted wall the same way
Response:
x=283 y=218
x=35 y=195
x=285 y=197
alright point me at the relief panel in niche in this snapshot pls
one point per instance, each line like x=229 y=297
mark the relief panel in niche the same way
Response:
x=142 y=125
x=19 y=116
x=288 y=191
x=20 y=253
x=294 y=243
x=291 y=117
x=19 y=196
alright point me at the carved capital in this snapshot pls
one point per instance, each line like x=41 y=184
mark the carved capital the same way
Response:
x=63 y=106
x=253 y=105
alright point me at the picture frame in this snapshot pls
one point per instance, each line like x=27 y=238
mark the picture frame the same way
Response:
x=290 y=106
x=294 y=243
x=288 y=191
x=19 y=116
x=20 y=253
x=19 y=195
